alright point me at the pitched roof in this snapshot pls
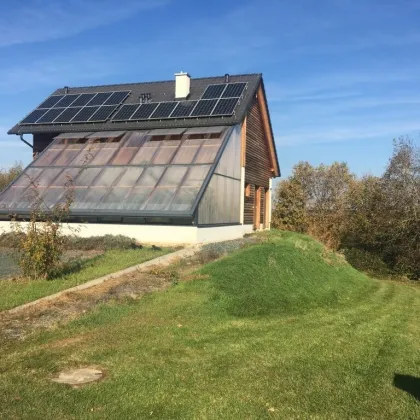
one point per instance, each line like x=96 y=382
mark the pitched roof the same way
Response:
x=160 y=91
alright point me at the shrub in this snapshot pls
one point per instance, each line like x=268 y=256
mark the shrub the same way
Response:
x=8 y=175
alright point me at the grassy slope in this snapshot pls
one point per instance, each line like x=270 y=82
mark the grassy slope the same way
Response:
x=279 y=330
x=15 y=293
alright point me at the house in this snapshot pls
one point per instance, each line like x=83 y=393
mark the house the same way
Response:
x=187 y=160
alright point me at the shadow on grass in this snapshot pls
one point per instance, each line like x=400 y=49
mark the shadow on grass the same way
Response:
x=73 y=266
x=409 y=384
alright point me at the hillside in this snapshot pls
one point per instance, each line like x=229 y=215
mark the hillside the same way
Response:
x=283 y=329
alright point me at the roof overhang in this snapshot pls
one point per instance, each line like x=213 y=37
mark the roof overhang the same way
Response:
x=268 y=130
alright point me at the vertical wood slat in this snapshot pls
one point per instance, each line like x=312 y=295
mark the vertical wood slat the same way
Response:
x=243 y=143
x=267 y=200
x=257 y=210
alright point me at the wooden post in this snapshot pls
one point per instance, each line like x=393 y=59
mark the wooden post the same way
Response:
x=257 y=208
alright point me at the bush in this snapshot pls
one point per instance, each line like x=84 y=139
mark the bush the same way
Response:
x=8 y=175
x=367 y=262
x=102 y=243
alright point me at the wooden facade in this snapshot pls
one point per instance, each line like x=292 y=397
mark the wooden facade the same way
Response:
x=257 y=167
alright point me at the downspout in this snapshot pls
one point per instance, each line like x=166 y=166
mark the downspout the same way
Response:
x=27 y=143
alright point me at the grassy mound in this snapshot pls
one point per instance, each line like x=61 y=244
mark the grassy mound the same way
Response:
x=289 y=273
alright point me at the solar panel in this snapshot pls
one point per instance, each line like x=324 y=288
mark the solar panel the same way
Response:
x=203 y=108
x=34 y=116
x=183 y=109
x=125 y=112
x=164 y=109
x=103 y=113
x=85 y=114
x=234 y=90
x=225 y=106
x=51 y=101
x=144 y=111
x=100 y=98
x=50 y=115
x=214 y=91
x=67 y=114
x=117 y=97
x=83 y=99
x=66 y=101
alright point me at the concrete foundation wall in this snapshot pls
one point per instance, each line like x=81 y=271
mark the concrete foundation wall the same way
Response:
x=153 y=234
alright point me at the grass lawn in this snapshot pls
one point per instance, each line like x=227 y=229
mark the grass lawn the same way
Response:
x=17 y=292
x=280 y=330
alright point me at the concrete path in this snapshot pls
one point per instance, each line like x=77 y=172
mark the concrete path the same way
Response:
x=164 y=260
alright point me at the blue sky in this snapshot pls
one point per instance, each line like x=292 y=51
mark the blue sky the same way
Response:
x=342 y=77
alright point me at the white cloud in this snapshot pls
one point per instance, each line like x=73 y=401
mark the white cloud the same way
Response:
x=42 y=20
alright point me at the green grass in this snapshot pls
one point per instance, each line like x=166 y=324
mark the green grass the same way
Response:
x=15 y=293
x=280 y=330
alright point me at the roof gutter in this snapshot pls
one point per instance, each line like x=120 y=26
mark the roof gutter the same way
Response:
x=29 y=144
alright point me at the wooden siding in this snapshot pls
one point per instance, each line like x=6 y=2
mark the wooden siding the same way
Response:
x=249 y=206
x=41 y=141
x=262 y=213
x=258 y=165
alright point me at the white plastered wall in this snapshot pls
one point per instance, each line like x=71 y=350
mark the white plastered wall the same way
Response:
x=152 y=234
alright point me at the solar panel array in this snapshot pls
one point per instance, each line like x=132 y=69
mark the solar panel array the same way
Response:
x=76 y=108
x=218 y=100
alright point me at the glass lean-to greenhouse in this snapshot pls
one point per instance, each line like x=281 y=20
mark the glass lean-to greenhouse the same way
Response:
x=176 y=176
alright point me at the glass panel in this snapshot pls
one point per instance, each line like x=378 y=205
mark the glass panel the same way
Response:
x=66 y=177
x=124 y=155
x=52 y=196
x=186 y=153
x=86 y=177
x=92 y=197
x=66 y=156
x=207 y=154
x=85 y=156
x=106 y=134
x=47 y=157
x=184 y=199
x=164 y=154
x=17 y=197
x=115 y=198
x=196 y=176
x=137 y=138
x=47 y=176
x=173 y=176
x=145 y=154
x=205 y=130
x=102 y=156
x=230 y=161
x=151 y=176
x=28 y=177
x=160 y=199
x=137 y=197
x=166 y=131
x=107 y=177
x=130 y=177
x=79 y=194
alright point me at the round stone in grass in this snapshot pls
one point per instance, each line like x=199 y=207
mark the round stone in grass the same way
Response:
x=79 y=376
